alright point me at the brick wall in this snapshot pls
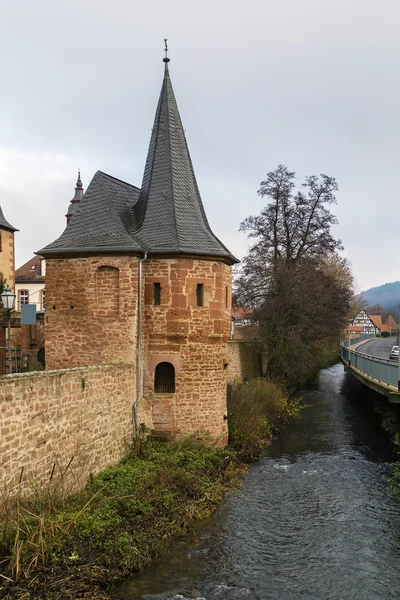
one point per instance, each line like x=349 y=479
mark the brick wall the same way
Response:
x=91 y=312
x=50 y=418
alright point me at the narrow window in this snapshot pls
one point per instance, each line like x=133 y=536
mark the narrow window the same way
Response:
x=157 y=293
x=226 y=297
x=200 y=294
x=1 y=246
x=164 y=378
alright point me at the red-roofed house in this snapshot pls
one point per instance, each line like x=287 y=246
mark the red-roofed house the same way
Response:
x=30 y=283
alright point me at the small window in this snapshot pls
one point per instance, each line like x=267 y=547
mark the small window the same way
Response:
x=200 y=294
x=157 y=293
x=23 y=297
x=164 y=378
x=226 y=297
x=33 y=267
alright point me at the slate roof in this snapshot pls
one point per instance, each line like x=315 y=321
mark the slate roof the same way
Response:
x=5 y=224
x=166 y=216
x=99 y=225
x=73 y=206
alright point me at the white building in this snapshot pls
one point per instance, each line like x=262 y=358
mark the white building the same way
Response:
x=30 y=283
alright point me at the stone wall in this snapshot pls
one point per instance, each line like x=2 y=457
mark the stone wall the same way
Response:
x=7 y=264
x=93 y=320
x=246 y=332
x=245 y=361
x=193 y=338
x=91 y=311
x=81 y=415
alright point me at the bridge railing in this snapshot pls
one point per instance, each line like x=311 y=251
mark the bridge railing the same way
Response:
x=381 y=369
x=360 y=338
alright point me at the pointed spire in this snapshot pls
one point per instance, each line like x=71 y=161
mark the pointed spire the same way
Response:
x=79 y=182
x=73 y=207
x=169 y=216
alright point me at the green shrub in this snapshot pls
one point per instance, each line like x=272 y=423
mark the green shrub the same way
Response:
x=255 y=410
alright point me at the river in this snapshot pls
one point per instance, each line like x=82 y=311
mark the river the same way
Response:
x=312 y=521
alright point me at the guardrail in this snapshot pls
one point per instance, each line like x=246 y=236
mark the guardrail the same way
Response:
x=360 y=338
x=383 y=370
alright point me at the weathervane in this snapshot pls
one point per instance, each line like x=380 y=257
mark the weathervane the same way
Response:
x=166 y=59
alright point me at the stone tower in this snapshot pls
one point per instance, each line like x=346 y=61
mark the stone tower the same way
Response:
x=139 y=277
x=7 y=257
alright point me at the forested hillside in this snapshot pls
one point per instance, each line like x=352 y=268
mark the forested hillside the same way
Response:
x=387 y=295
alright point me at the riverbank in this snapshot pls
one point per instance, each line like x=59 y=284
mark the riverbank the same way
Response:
x=123 y=520
x=313 y=518
x=128 y=516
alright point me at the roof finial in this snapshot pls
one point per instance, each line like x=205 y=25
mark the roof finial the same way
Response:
x=166 y=59
x=79 y=182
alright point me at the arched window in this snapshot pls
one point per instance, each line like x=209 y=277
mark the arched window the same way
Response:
x=164 y=378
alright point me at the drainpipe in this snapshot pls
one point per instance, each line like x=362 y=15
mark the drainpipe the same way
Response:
x=139 y=348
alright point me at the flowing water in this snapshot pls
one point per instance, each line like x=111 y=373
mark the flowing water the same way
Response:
x=313 y=519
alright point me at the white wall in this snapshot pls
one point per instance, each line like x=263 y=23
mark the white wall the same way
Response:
x=35 y=294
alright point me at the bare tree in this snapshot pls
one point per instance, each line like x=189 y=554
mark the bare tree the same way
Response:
x=293 y=225
x=293 y=275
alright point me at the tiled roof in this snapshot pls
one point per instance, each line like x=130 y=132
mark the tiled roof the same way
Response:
x=377 y=320
x=5 y=224
x=242 y=312
x=165 y=217
x=390 y=322
x=30 y=272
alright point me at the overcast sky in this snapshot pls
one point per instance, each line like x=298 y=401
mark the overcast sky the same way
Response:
x=313 y=84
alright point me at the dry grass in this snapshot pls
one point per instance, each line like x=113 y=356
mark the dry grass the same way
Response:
x=122 y=520
x=256 y=410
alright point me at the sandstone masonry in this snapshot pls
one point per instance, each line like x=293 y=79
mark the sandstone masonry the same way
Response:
x=77 y=418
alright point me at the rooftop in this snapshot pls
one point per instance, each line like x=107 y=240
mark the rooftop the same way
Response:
x=165 y=216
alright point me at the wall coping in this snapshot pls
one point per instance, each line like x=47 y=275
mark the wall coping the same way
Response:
x=15 y=376
x=255 y=340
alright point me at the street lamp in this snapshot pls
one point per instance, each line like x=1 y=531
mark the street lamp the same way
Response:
x=8 y=300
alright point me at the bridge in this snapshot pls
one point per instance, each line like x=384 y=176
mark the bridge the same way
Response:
x=367 y=359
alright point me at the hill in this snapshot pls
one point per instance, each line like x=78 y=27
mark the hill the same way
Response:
x=387 y=295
